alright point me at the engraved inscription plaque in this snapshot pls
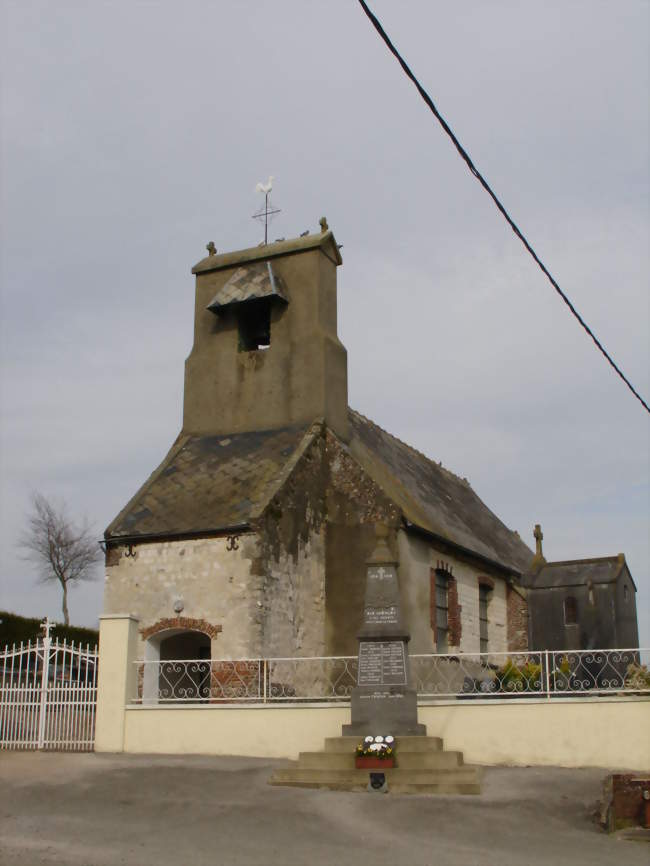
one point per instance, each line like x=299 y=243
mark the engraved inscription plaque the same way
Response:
x=381 y=615
x=382 y=663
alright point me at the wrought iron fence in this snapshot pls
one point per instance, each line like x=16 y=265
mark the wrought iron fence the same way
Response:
x=546 y=673
x=462 y=676
x=234 y=680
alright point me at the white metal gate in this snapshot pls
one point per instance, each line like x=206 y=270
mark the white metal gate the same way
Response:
x=48 y=694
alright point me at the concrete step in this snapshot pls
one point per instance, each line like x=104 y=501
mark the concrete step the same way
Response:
x=404 y=760
x=460 y=780
x=443 y=788
x=404 y=744
x=466 y=772
x=428 y=760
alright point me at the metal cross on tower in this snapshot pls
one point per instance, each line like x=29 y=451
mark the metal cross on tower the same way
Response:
x=267 y=212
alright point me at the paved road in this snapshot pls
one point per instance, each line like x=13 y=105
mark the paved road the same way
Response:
x=103 y=810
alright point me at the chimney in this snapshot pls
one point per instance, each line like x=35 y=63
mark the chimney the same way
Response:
x=266 y=352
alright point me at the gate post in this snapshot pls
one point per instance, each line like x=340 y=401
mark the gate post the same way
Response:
x=45 y=682
x=118 y=642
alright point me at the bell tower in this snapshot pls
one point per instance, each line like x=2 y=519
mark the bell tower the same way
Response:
x=266 y=352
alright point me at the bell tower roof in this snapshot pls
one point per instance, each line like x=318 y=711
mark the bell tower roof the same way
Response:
x=248 y=283
x=323 y=240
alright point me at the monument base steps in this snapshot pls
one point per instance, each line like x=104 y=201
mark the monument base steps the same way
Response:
x=422 y=766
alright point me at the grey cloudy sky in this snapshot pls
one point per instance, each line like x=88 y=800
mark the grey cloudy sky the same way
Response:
x=134 y=132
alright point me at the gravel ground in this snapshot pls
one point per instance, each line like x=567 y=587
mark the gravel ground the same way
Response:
x=102 y=810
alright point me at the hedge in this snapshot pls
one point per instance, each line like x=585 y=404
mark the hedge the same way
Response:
x=14 y=629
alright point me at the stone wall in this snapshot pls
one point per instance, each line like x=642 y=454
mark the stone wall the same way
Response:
x=418 y=557
x=212 y=582
x=293 y=602
x=249 y=605
x=354 y=504
x=295 y=586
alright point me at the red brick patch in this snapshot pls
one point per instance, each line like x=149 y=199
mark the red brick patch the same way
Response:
x=623 y=802
x=183 y=622
x=517 y=621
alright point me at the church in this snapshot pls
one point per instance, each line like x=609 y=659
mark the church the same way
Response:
x=251 y=537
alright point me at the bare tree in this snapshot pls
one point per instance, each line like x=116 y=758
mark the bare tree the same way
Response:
x=62 y=550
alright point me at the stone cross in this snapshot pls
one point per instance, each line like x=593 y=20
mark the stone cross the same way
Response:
x=539 y=535
x=212 y=250
x=46 y=625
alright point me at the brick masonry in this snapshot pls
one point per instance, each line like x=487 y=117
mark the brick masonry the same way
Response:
x=181 y=622
x=623 y=803
x=517 y=617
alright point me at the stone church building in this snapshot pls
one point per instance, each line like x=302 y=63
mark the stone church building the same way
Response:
x=251 y=537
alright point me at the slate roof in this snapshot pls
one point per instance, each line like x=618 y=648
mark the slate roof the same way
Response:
x=210 y=483
x=576 y=572
x=433 y=498
x=255 y=280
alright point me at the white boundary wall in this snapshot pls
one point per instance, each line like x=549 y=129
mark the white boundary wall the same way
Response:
x=569 y=732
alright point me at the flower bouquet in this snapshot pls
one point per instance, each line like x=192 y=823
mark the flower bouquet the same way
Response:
x=375 y=753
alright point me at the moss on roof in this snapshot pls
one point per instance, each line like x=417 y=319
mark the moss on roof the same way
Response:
x=209 y=483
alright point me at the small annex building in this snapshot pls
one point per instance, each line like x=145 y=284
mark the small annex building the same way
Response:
x=581 y=604
x=250 y=539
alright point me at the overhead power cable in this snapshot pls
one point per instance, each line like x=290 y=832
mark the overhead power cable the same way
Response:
x=477 y=174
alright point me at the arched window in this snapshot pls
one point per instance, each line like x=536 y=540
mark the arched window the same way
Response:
x=570 y=610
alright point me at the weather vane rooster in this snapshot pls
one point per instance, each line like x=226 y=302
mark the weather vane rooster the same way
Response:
x=268 y=211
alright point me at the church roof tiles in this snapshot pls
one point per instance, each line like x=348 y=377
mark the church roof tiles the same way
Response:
x=212 y=483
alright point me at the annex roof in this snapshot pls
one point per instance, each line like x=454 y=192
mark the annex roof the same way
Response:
x=577 y=572
x=249 y=282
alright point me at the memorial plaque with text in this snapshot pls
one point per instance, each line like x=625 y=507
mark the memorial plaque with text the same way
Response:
x=382 y=663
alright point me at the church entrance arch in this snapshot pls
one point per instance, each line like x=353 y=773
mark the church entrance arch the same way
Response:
x=177 y=658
